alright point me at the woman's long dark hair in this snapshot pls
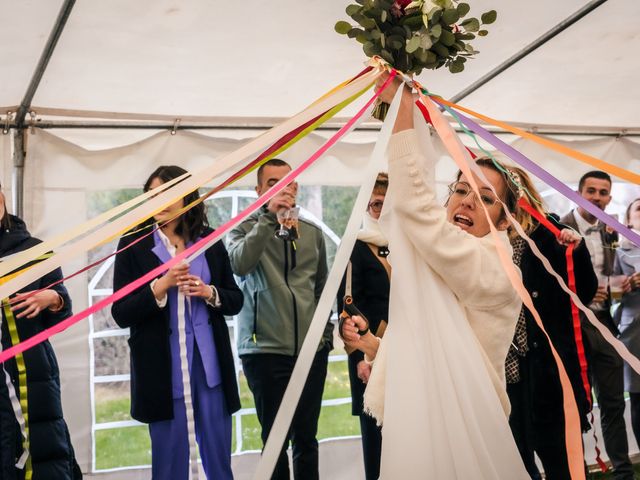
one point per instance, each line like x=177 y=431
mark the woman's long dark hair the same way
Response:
x=191 y=223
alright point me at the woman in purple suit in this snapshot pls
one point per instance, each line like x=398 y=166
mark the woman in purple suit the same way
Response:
x=209 y=292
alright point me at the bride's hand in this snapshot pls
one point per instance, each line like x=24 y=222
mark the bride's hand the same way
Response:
x=367 y=343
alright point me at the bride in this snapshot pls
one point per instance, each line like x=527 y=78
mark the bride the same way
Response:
x=437 y=384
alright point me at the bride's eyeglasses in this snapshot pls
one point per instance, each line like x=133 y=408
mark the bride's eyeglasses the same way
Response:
x=463 y=189
x=376 y=206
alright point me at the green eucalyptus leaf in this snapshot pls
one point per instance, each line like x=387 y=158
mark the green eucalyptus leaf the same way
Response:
x=465 y=36
x=383 y=16
x=471 y=25
x=363 y=37
x=425 y=41
x=396 y=42
x=440 y=3
x=431 y=58
x=456 y=67
x=440 y=50
x=411 y=20
x=375 y=34
x=435 y=16
x=371 y=49
x=343 y=27
x=422 y=55
x=489 y=17
x=387 y=56
x=413 y=44
x=436 y=31
x=450 y=16
x=483 y=33
x=447 y=38
x=354 y=32
x=463 y=9
x=351 y=9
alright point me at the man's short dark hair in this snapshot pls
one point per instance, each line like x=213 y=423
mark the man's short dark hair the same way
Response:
x=594 y=174
x=274 y=162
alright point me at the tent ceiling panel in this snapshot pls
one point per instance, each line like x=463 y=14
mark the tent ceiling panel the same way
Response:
x=272 y=58
x=587 y=75
x=24 y=30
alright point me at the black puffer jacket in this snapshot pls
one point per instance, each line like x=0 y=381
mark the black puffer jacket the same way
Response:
x=52 y=455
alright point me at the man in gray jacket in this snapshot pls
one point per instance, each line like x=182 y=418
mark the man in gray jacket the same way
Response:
x=282 y=281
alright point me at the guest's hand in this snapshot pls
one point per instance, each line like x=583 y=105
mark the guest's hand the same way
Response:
x=364 y=371
x=634 y=281
x=193 y=286
x=169 y=279
x=626 y=285
x=31 y=306
x=172 y=277
x=367 y=343
x=601 y=295
x=568 y=237
x=284 y=200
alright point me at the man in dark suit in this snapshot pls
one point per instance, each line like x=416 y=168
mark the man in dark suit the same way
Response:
x=606 y=366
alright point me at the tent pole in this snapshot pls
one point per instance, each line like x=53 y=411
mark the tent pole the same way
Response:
x=19 y=137
x=18 y=171
x=560 y=27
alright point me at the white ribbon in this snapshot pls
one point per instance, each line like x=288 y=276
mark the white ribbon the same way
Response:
x=186 y=385
x=309 y=348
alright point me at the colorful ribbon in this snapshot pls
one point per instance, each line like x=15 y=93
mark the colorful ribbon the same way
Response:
x=577 y=328
x=194 y=250
x=573 y=432
x=582 y=157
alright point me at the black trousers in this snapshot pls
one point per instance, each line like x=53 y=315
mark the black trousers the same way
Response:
x=607 y=378
x=268 y=376
x=371 y=446
x=537 y=424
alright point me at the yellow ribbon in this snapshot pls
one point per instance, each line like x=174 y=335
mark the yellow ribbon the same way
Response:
x=22 y=380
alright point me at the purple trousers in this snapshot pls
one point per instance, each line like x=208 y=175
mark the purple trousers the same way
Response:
x=169 y=444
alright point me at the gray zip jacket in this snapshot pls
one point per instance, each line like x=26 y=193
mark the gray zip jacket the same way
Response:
x=281 y=282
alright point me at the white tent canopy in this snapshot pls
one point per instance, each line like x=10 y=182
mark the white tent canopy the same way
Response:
x=123 y=72
x=270 y=59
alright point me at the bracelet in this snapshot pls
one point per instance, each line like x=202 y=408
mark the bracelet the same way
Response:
x=212 y=298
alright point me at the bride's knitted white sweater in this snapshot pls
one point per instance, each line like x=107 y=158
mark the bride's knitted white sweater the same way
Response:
x=469 y=265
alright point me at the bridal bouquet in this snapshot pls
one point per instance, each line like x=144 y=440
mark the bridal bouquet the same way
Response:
x=416 y=34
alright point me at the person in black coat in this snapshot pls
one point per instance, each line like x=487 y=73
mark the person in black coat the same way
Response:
x=51 y=452
x=370 y=291
x=533 y=383
x=150 y=312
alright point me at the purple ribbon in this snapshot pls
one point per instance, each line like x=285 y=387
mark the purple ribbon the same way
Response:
x=546 y=177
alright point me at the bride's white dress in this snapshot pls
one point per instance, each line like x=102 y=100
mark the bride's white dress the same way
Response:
x=438 y=383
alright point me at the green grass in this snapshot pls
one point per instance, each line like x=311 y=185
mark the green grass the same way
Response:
x=130 y=446
x=123 y=447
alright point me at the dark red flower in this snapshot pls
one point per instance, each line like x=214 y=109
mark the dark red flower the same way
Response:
x=397 y=9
